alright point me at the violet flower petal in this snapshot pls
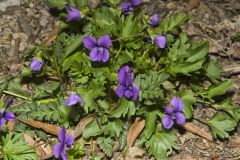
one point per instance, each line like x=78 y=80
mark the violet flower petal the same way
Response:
x=125 y=5
x=9 y=103
x=57 y=149
x=9 y=116
x=94 y=55
x=2 y=122
x=64 y=156
x=168 y=110
x=128 y=94
x=135 y=2
x=120 y=91
x=104 y=41
x=154 y=20
x=61 y=134
x=69 y=140
x=89 y=42
x=73 y=13
x=167 y=122
x=105 y=55
x=180 y=118
x=135 y=91
x=177 y=104
x=73 y=99
x=161 y=41
x=125 y=76
x=36 y=64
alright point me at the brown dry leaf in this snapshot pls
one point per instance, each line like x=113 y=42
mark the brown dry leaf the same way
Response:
x=134 y=152
x=10 y=125
x=50 y=128
x=52 y=36
x=46 y=148
x=33 y=143
x=134 y=130
x=198 y=131
x=192 y=4
x=81 y=125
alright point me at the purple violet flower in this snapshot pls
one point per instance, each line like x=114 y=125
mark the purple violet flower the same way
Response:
x=6 y=116
x=36 y=64
x=127 y=7
x=61 y=147
x=129 y=92
x=154 y=20
x=73 y=99
x=73 y=13
x=125 y=76
x=99 y=49
x=174 y=114
x=160 y=40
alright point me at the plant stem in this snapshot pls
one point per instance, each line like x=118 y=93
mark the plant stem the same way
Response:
x=208 y=103
x=16 y=95
x=201 y=120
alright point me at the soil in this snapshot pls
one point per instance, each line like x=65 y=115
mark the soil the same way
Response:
x=26 y=23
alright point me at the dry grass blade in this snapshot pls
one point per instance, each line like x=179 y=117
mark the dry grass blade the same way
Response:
x=81 y=125
x=40 y=152
x=198 y=131
x=134 y=130
x=50 y=128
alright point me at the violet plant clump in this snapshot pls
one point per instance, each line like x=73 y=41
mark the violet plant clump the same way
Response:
x=120 y=64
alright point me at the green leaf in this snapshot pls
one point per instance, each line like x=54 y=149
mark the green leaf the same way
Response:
x=188 y=99
x=60 y=4
x=150 y=124
x=213 y=70
x=125 y=108
x=198 y=51
x=130 y=26
x=90 y=93
x=186 y=67
x=112 y=128
x=76 y=43
x=228 y=107
x=106 y=144
x=14 y=147
x=92 y=129
x=171 y=23
x=221 y=124
x=219 y=89
x=151 y=86
x=69 y=61
x=123 y=136
x=160 y=143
